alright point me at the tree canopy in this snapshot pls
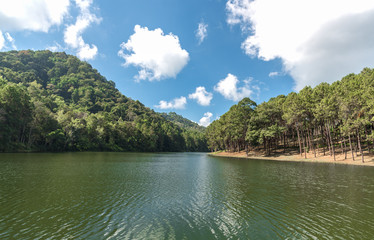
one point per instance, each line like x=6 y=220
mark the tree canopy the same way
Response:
x=55 y=102
x=328 y=118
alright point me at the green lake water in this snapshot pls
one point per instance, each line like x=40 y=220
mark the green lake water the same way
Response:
x=181 y=196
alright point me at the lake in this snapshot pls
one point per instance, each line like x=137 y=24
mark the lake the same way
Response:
x=181 y=196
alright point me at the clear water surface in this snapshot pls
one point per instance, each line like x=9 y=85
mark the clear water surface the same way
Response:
x=181 y=196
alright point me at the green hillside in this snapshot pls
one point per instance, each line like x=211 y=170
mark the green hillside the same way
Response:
x=55 y=102
x=194 y=134
x=182 y=122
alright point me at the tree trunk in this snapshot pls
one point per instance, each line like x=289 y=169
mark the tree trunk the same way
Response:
x=328 y=140
x=304 y=145
x=276 y=143
x=331 y=148
x=307 y=141
x=332 y=144
x=312 y=143
x=367 y=141
x=298 y=138
x=264 y=141
x=350 y=145
x=323 y=144
x=371 y=126
x=29 y=140
x=345 y=149
x=359 y=146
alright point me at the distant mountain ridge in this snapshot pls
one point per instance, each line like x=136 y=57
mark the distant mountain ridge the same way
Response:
x=182 y=122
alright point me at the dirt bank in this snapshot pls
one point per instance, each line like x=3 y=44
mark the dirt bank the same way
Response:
x=295 y=157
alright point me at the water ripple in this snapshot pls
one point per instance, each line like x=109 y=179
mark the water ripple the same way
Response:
x=181 y=196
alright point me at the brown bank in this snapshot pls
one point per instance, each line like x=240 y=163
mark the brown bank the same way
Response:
x=296 y=157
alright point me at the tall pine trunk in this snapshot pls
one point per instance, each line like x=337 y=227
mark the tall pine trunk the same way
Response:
x=367 y=141
x=359 y=146
x=331 y=142
x=323 y=144
x=298 y=138
x=350 y=145
x=328 y=140
x=345 y=149
x=304 y=145
x=312 y=142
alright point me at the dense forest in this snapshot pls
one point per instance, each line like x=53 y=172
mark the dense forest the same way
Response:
x=55 y=102
x=328 y=119
x=182 y=122
x=193 y=134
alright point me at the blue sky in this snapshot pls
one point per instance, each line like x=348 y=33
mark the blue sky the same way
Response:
x=152 y=49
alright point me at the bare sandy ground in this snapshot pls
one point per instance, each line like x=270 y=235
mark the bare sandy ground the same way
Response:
x=295 y=157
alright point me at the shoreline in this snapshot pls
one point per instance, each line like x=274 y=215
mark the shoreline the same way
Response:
x=292 y=157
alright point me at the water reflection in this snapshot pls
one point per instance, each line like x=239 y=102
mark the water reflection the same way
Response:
x=180 y=196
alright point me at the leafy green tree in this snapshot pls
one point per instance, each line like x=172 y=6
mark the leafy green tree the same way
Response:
x=15 y=115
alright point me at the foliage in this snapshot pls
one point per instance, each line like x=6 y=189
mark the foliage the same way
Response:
x=326 y=116
x=193 y=133
x=55 y=102
x=182 y=122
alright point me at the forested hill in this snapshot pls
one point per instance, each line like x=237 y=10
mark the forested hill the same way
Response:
x=328 y=119
x=55 y=102
x=182 y=122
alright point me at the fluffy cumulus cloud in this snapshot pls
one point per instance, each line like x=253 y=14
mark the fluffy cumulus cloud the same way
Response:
x=317 y=40
x=177 y=103
x=201 y=96
x=33 y=15
x=206 y=119
x=30 y=15
x=228 y=87
x=201 y=32
x=41 y=15
x=73 y=33
x=157 y=55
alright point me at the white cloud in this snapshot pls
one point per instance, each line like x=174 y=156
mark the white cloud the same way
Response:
x=33 y=15
x=229 y=89
x=206 y=120
x=11 y=40
x=41 y=15
x=6 y=38
x=157 y=55
x=55 y=48
x=202 y=96
x=201 y=32
x=177 y=103
x=73 y=33
x=317 y=40
x=274 y=74
x=2 y=40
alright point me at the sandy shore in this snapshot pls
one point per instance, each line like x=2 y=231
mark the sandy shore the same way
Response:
x=295 y=157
